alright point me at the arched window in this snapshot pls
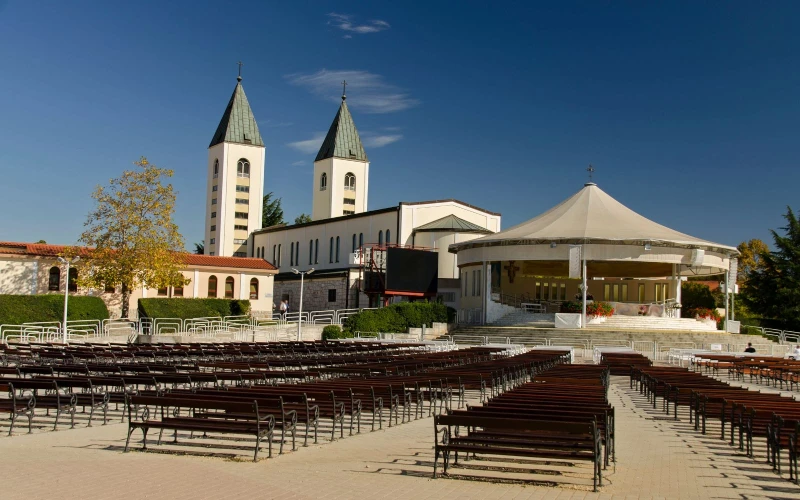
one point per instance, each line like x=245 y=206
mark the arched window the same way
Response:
x=360 y=240
x=316 y=251
x=310 y=252
x=258 y=252
x=350 y=182
x=380 y=238
x=243 y=168
x=279 y=256
x=291 y=254
x=274 y=249
x=354 y=242
x=73 y=279
x=337 y=249
x=216 y=168
x=388 y=237
x=323 y=182
x=330 y=252
x=212 y=286
x=229 y=287
x=54 y=283
x=297 y=253
x=254 y=289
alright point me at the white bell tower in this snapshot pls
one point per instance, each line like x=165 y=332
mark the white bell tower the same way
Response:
x=341 y=170
x=235 y=179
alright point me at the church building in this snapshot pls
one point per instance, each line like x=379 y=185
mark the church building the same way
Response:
x=342 y=229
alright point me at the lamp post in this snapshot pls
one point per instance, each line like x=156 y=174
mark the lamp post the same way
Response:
x=66 y=292
x=300 y=314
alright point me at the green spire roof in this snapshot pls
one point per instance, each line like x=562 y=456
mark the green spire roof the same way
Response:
x=451 y=223
x=342 y=140
x=238 y=123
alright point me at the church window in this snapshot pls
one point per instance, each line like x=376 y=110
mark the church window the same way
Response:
x=240 y=241
x=254 y=289
x=279 y=256
x=216 y=168
x=243 y=189
x=240 y=254
x=214 y=188
x=330 y=252
x=241 y=215
x=177 y=291
x=354 y=242
x=380 y=238
x=337 y=249
x=162 y=291
x=213 y=228
x=323 y=182
x=229 y=287
x=262 y=252
x=316 y=251
x=213 y=215
x=73 y=279
x=240 y=228
x=388 y=237
x=54 y=283
x=291 y=254
x=213 y=240
x=274 y=249
x=213 y=201
x=242 y=201
x=360 y=240
x=297 y=253
x=310 y=252
x=243 y=168
x=348 y=212
x=212 y=286
x=350 y=182
x=211 y=253
x=332 y=295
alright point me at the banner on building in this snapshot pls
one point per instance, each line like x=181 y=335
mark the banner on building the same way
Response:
x=574 y=261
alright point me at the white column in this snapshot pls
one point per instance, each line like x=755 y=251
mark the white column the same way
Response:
x=242 y=290
x=196 y=284
x=585 y=285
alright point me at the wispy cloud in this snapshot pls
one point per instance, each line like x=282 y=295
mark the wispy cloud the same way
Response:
x=370 y=92
x=345 y=22
x=308 y=146
x=379 y=141
x=299 y=163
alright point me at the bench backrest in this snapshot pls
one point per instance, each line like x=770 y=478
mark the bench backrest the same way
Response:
x=515 y=424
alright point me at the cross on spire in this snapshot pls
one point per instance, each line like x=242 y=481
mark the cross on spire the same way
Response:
x=590 y=169
x=240 y=63
x=344 y=89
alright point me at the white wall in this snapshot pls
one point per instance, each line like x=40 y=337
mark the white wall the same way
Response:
x=18 y=277
x=329 y=203
x=226 y=207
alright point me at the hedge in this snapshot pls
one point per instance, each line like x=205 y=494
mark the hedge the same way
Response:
x=17 y=309
x=192 y=308
x=334 y=332
x=398 y=318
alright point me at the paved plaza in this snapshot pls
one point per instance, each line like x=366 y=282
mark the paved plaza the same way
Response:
x=656 y=458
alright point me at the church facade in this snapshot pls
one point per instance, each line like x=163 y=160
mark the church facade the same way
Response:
x=342 y=228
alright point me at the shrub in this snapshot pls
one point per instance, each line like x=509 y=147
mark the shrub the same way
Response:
x=571 y=307
x=398 y=318
x=602 y=309
x=705 y=313
x=334 y=332
x=17 y=309
x=192 y=308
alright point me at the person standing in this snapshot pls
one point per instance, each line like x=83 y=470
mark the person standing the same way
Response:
x=284 y=308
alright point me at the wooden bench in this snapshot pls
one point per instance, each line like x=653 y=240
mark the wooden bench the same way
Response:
x=518 y=438
x=16 y=405
x=213 y=420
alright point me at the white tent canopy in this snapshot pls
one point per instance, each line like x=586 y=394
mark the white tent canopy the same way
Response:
x=592 y=216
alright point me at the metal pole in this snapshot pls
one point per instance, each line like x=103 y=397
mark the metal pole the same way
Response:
x=300 y=318
x=66 y=297
x=727 y=301
x=585 y=285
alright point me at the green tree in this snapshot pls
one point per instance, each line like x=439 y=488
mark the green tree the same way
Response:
x=302 y=219
x=695 y=295
x=200 y=248
x=749 y=258
x=42 y=242
x=772 y=290
x=272 y=212
x=136 y=243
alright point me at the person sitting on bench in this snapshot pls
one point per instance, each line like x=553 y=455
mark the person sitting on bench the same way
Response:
x=750 y=348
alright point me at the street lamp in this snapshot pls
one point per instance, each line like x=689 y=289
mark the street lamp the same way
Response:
x=300 y=317
x=66 y=292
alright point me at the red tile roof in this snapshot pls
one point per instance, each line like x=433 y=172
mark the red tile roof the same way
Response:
x=190 y=259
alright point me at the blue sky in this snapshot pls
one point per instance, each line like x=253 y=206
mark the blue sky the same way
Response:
x=688 y=110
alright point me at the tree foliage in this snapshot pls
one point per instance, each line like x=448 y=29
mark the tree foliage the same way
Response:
x=272 y=213
x=136 y=243
x=695 y=296
x=750 y=258
x=200 y=248
x=302 y=219
x=772 y=290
